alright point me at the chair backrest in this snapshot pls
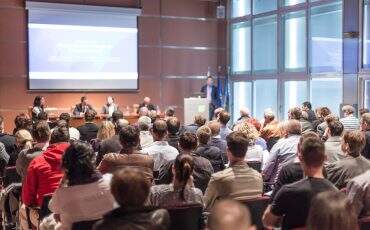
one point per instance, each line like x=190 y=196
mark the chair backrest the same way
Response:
x=257 y=207
x=364 y=223
x=256 y=165
x=84 y=225
x=11 y=176
x=187 y=217
x=44 y=209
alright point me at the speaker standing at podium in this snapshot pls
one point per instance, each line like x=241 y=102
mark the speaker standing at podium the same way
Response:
x=211 y=94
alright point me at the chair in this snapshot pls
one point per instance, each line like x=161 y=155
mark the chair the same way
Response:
x=84 y=225
x=44 y=209
x=11 y=176
x=257 y=207
x=186 y=217
x=364 y=223
x=256 y=165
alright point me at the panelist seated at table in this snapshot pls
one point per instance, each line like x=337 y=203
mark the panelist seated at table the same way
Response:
x=110 y=107
x=146 y=103
x=83 y=107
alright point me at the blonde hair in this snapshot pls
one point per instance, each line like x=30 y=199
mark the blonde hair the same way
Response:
x=24 y=139
x=249 y=130
x=106 y=130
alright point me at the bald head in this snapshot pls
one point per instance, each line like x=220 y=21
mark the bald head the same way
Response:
x=229 y=214
x=146 y=100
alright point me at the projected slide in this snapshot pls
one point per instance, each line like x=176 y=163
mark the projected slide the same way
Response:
x=74 y=57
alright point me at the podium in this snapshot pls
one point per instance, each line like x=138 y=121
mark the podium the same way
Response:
x=195 y=106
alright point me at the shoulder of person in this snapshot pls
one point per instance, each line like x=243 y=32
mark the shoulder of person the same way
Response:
x=222 y=174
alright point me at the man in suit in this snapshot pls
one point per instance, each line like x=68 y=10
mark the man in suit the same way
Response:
x=110 y=107
x=83 y=107
x=89 y=130
x=146 y=103
x=212 y=96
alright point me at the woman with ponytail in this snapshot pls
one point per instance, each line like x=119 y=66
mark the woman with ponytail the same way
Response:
x=181 y=191
x=84 y=194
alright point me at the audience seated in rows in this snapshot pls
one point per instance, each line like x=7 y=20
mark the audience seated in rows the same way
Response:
x=292 y=202
x=129 y=156
x=283 y=151
x=173 y=128
x=202 y=170
x=106 y=130
x=216 y=140
x=89 y=130
x=224 y=118
x=146 y=138
x=160 y=150
x=354 y=164
x=238 y=181
x=181 y=191
x=199 y=121
x=333 y=150
x=130 y=189
x=212 y=153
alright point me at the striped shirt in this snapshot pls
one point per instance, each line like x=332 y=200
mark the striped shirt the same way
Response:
x=350 y=123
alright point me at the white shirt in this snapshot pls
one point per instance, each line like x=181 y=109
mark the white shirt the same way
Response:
x=110 y=109
x=162 y=153
x=209 y=93
x=83 y=202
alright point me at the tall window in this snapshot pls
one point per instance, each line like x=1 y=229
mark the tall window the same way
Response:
x=240 y=8
x=327 y=92
x=292 y=2
x=326 y=38
x=295 y=93
x=262 y=6
x=294 y=41
x=264 y=44
x=366 y=35
x=242 y=96
x=241 y=47
x=367 y=94
x=264 y=96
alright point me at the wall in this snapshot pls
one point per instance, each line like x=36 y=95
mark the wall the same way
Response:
x=179 y=40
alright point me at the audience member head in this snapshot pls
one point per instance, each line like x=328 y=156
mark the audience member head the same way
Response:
x=89 y=116
x=144 y=123
x=153 y=115
x=182 y=170
x=217 y=112
x=110 y=100
x=188 y=142
x=291 y=127
x=306 y=106
x=41 y=132
x=304 y=136
x=348 y=110
x=249 y=130
x=42 y=116
x=215 y=128
x=312 y=155
x=129 y=137
x=116 y=115
x=84 y=100
x=244 y=112
x=335 y=128
x=62 y=123
x=22 y=121
x=170 y=112
x=209 y=80
x=199 y=120
x=120 y=124
x=295 y=113
x=363 y=111
x=65 y=117
x=353 y=142
x=237 y=146
x=59 y=134
x=324 y=112
x=204 y=134
x=230 y=214
x=173 y=125
x=223 y=117
x=147 y=100
x=78 y=163
x=143 y=111
x=130 y=188
x=159 y=130
x=331 y=118
x=2 y=125
x=268 y=115
x=23 y=139
x=106 y=130
x=39 y=101
x=365 y=122
x=331 y=210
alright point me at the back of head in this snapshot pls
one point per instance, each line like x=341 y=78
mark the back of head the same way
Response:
x=173 y=125
x=335 y=128
x=78 y=163
x=188 y=141
x=143 y=111
x=204 y=134
x=120 y=124
x=59 y=134
x=106 y=130
x=224 y=117
x=43 y=116
x=199 y=120
x=144 y=123
x=244 y=111
x=229 y=214
x=23 y=139
x=65 y=117
x=237 y=144
x=269 y=114
x=217 y=112
x=160 y=129
x=354 y=142
x=307 y=104
x=129 y=136
x=292 y=127
x=130 y=188
x=41 y=132
x=348 y=109
x=331 y=210
x=363 y=111
x=23 y=121
x=170 y=112
x=312 y=152
x=249 y=130
x=116 y=115
x=183 y=167
x=215 y=127
x=324 y=111
x=365 y=118
x=37 y=101
x=295 y=113
x=89 y=116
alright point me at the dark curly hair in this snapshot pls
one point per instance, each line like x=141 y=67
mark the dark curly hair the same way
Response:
x=129 y=137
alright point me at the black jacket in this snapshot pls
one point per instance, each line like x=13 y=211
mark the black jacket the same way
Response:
x=80 y=109
x=173 y=140
x=10 y=147
x=221 y=144
x=134 y=219
x=215 y=99
x=213 y=154
x=111 y=145
x=88 y=131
